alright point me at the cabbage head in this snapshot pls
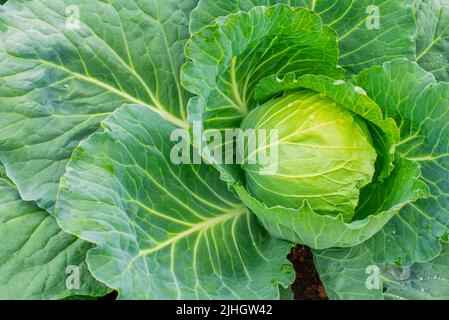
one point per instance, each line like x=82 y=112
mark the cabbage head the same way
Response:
x=325 y=154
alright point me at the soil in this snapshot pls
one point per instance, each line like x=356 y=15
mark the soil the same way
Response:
x=307 y=285
x=111 y=296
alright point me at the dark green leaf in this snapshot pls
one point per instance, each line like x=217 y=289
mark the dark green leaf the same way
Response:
x=66 y=65
x=164 y=231
x=369 y=32
x=419 y=105
x=433 y=37
x=37 y=259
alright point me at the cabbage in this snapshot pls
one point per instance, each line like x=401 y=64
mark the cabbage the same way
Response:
x=325 y=154
x=122 y=125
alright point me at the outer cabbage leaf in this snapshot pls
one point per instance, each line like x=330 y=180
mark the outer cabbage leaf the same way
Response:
x=35 y=253
x=66 y=64
x=369 y=32
x=433 y=37
x=164 y=231
x=354 y=274
x=230 y=57
x=207 y=11
x=419 y=105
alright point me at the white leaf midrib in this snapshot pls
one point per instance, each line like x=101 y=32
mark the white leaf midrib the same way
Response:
x=196 y=228
x=161 y=112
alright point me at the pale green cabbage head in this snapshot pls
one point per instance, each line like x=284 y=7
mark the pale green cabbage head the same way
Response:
x=325 y=154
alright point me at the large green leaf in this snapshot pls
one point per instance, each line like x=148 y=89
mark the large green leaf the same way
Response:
x=354 y=274
x=433 y=37
x=207 y=11
x=66 y=64
x=363 y=42
x=36 y=257
x=164 y=231
x=232 y=56
x=419 y=105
